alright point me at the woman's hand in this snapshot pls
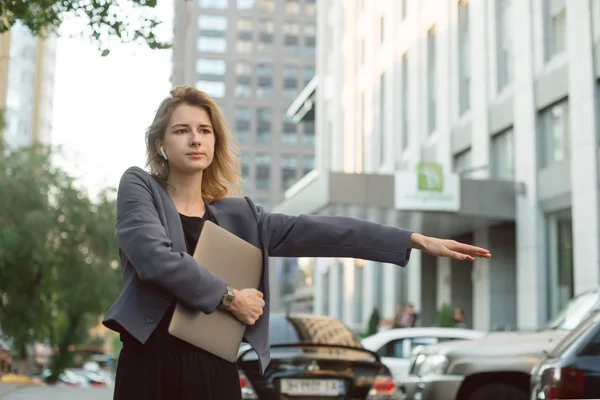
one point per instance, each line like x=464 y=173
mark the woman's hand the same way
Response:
x=247 y=305
x=447 y=248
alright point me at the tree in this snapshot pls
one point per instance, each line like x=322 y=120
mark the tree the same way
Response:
x=445 y=317
x=374 y=320
x=104 y=19
x=58 y=259
x=27 y=180
x=86 y=275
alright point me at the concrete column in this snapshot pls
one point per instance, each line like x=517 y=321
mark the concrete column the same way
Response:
x=349 y=291
x=478 y=37
x=320 y=287
x=530 y=235
x=444 y=281
x=482 y=286
x=444 y=92
x=584 y=146
x=335 y=293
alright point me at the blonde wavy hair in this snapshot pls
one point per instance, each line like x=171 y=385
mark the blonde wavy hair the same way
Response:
x=222 y=178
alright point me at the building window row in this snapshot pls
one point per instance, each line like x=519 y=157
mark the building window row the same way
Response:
x=291 y=6
x=293 y=167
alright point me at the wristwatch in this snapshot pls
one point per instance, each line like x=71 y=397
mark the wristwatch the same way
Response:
x=228 y=298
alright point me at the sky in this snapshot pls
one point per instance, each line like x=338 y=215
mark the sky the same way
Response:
x=103 y=105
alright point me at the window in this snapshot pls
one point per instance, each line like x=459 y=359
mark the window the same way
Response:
x=212 y=44
x=267 y=26
x=292 y=7
x=381 y=29
x=245 y=25
x=291 y=45
x=310 y=7
x=308 y=136
x=245 y=4
x=308 y=73
x=310 y=30
x=245 y=164
x=244 y=46
x=207 y=66
x=556 y=27
x=263 y=170
x=461 y=162
x=289 y=136
x=555 y=136
x=243 y=122
x=291 y=28
x=212 y=23
x=464 y=69
x=263 y=120
x=403 y=9
x=290 y=82
x=219 y=4
x=212 y=88
x=504 y=36
x=431 y=81
x=267 y=5
x=382 y=119
x=289 y=169
x=560 y=241
x=404 y=97
x=243 y=68
x=265 y=45
x=308 y=164
x=502 y=156
x=309 y=48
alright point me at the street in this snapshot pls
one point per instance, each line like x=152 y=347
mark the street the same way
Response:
x=59 y=393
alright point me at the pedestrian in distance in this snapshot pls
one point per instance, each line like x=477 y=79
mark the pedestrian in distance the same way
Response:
x=194 y=177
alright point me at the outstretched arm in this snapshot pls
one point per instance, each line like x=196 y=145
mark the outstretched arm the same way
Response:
x=321 y=236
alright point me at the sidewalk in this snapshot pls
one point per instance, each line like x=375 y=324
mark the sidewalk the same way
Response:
x=6 y=388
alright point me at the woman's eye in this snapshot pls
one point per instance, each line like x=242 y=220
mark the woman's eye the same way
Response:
x=205 y=131
x=180 y=131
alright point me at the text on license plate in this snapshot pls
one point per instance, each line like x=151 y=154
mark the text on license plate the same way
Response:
x=312 y=387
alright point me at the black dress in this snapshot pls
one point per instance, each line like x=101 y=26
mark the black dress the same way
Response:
x=167 y=368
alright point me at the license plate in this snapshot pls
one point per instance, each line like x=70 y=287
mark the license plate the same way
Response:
x=312 y=387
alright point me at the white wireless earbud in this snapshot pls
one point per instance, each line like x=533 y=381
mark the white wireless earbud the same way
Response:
x=162 y=151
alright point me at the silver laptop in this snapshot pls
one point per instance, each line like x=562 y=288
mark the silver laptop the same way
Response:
x=238 y=263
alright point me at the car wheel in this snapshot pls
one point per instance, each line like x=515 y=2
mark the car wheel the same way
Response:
x=499 y=392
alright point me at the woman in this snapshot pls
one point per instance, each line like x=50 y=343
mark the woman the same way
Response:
x=194 y=177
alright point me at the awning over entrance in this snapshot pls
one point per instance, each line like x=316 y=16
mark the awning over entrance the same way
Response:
x=482 y=202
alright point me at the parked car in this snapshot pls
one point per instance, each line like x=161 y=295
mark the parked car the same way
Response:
x=572 y=369
x=395 y=346
x=314 y=357
x=495 y=367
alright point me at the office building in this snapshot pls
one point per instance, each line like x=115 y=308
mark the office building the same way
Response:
x=253 y=57
x=472 y=119
x=27 y=65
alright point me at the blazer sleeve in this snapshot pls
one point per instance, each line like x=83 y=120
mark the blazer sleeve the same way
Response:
x=144 y=241
x=325 y=236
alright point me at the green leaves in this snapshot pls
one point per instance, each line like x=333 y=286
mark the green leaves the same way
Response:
x=127 y=20
x=57 y=251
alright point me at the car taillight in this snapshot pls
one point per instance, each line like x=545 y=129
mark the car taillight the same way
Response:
x=248 y=392
x=564 y=383
x=384 y=388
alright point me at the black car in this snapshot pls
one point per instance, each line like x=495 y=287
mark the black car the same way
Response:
x=572 y=369
x=315 y=357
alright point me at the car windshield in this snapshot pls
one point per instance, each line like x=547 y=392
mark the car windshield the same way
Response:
x=576 y=311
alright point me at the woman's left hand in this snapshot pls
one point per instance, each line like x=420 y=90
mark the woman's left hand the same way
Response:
x=447 y=248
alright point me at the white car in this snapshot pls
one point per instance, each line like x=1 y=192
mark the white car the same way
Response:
x=395 y=346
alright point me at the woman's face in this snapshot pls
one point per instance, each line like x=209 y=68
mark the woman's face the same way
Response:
x=189 y=141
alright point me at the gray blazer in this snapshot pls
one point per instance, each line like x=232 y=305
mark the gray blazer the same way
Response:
x=158 y=269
